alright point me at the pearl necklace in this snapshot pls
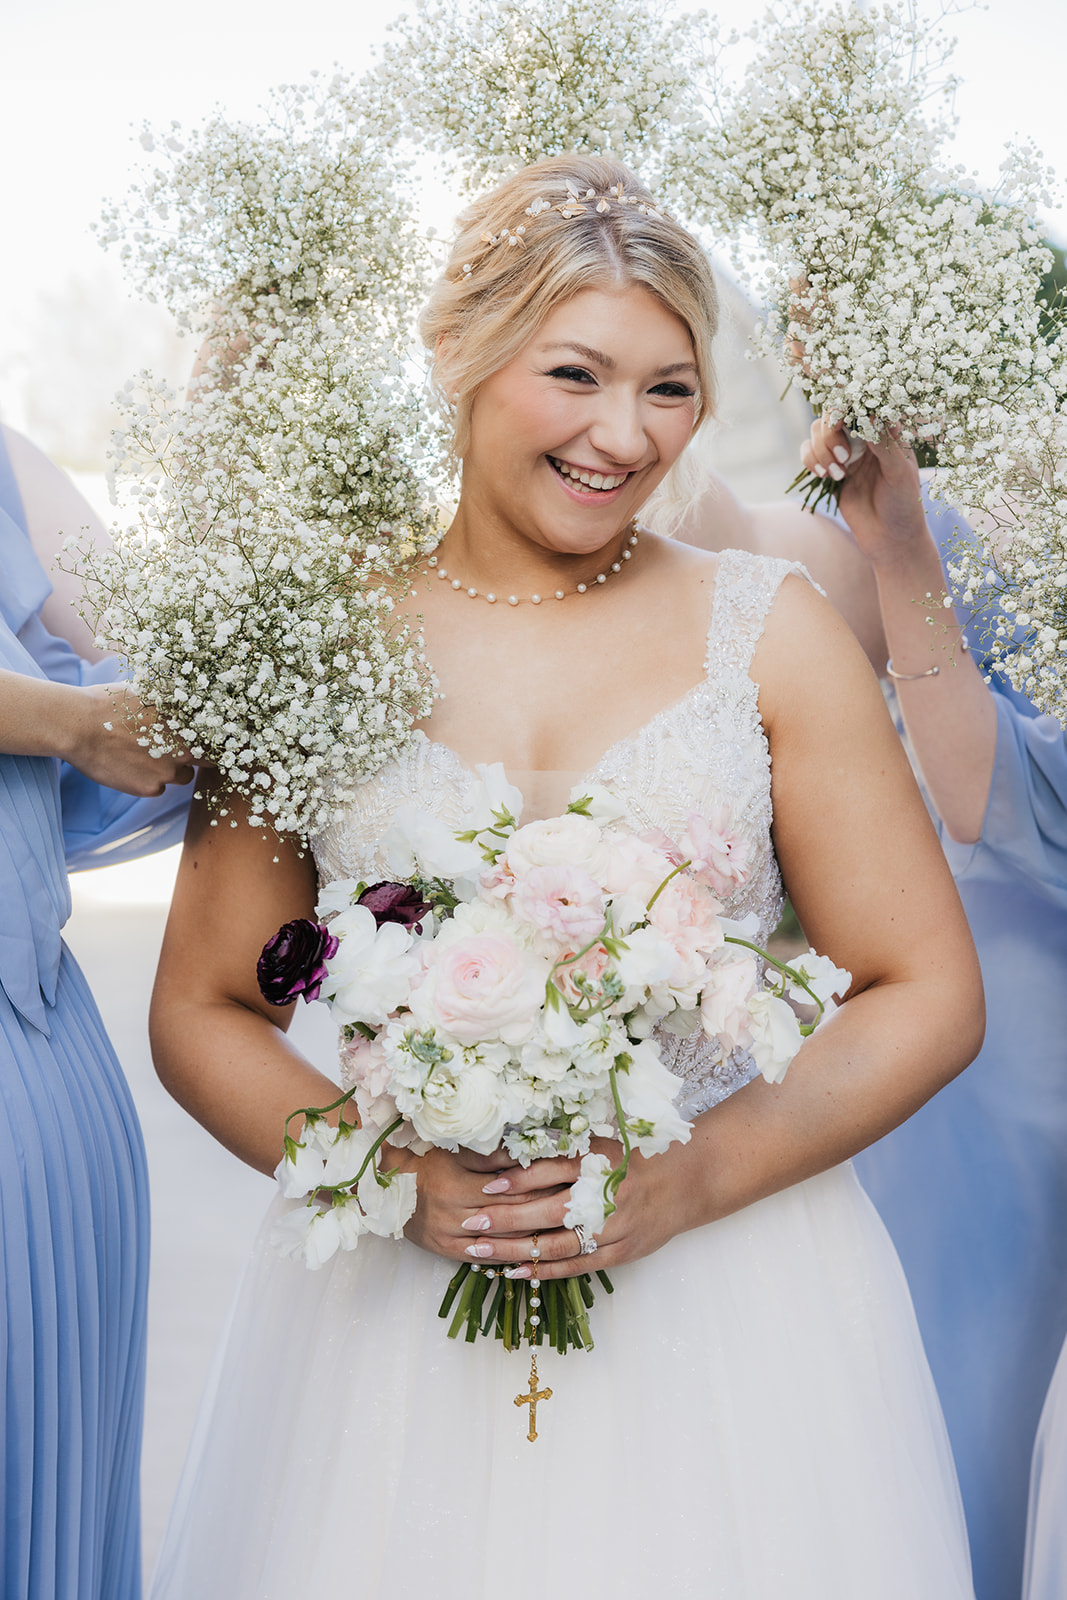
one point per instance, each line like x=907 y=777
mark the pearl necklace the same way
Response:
x=535 y=599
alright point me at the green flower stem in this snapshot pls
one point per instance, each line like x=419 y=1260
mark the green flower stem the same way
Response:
x=783 y=967
x=319 y=1111
x=671 y=875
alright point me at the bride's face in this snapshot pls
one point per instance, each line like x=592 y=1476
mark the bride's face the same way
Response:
x=571 y=437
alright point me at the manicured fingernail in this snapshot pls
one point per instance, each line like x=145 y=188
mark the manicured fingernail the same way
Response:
x=842 y=452
x=518 y=1272
x=819 y=471
x=836 y=472
x=482 y=1248
x=498 y=1186
x=477 y=1224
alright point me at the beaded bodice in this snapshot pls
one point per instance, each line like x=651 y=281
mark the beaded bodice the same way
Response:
x=703 y=751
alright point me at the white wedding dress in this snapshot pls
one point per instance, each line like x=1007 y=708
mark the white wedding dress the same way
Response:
x=756 y=1421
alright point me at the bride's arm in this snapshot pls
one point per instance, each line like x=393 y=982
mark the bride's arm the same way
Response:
x=218 y=1046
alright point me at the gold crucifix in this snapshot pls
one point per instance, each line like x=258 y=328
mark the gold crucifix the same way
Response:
x=532 y=1398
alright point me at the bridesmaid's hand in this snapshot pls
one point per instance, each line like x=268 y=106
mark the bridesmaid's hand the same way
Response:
x=881 y=496
x=105 y=726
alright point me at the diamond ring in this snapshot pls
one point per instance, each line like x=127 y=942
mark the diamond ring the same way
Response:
x=586 y=1247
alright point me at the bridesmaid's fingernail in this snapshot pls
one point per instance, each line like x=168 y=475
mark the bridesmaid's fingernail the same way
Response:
x=836 y=472
x=498 y=1186
x=519 y=1272
x=482 y=1248
x=842 y=452
x=477 y=1224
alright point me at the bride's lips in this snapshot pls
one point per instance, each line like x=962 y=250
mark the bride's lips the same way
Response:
x=600 y=488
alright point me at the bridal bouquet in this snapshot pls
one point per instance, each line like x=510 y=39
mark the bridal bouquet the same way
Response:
x=505 y=991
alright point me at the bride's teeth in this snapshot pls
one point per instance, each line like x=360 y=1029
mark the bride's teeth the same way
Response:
x=591 y=480
x=596 y=481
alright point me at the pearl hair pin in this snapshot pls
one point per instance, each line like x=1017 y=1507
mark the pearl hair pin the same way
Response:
x=535 y=599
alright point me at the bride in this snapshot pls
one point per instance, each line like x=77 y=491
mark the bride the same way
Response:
x=756 y=1420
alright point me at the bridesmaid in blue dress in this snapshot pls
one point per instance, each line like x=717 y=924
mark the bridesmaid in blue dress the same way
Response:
x=973 y=1188
x=73 y=1187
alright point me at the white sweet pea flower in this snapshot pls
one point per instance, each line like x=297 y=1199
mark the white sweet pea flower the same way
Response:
x=334 y=897
x=419 y=843
x=648 y=1091
x=603 y=806
x=372 y=971
x=312 y=1234
x=776 y=1035
x=585 y=1205
x=824 y=977
x=388 y=1207
x=299 y=1173
x=492 y=793
x=346 y=1153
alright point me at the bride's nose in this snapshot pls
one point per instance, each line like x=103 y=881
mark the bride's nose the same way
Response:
x=617 y=430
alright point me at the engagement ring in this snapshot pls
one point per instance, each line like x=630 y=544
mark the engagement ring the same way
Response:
x=586 y=1247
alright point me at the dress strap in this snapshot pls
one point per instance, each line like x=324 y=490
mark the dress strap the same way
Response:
x=745 y=588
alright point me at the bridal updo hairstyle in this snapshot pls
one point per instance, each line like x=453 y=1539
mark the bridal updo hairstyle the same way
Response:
x=494 y=294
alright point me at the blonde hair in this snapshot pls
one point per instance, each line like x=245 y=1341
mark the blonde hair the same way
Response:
x=535 y=241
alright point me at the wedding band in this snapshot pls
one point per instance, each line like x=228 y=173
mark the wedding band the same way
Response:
x=586 y=1247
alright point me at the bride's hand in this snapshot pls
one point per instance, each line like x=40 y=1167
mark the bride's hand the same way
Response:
x=456 y=1217
x=881 y=496
x=452 y=1205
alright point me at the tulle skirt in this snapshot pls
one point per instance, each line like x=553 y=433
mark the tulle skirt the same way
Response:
x=756 y=1422
x=1046 y=1545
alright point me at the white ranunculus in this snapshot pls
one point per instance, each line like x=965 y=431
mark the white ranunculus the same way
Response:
x=471 y=1107
x=389 y=1206
x=480 y=987
x=776 y=1035
x=566 y=841
x=585 y=1204
x=372 y=971
x=421 y=844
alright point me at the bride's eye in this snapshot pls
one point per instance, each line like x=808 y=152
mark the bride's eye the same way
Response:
x=673 y=391
x=572 y=374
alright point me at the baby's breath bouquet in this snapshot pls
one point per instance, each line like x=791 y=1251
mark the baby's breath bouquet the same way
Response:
x=904 y=297
x=280 y=504
x=493 y=85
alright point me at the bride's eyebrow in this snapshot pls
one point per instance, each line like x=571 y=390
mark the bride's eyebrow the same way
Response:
x=584 y=350
x=601 y=360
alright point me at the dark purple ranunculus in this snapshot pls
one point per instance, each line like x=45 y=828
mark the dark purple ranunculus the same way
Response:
x=395 y=902
x=294 y=961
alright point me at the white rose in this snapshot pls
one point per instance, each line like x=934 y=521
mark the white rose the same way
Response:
x=372 y=971
x=776 y=1035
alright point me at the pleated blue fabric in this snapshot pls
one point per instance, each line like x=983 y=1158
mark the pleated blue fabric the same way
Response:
x=973 y=1189
x=73 y=1184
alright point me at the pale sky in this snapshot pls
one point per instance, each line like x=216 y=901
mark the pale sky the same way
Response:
x=78 y=77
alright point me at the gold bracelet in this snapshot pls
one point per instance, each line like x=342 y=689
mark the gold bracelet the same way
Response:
x=910 y=677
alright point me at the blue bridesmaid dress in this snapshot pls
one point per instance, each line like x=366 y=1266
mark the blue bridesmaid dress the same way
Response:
x=73 y=1186
x=973 y=1188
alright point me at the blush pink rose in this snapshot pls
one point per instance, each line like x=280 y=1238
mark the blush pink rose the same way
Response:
x=636 y=866
x=593 y=964
x=565 y=903
x=364 y=1062
x=479 y=988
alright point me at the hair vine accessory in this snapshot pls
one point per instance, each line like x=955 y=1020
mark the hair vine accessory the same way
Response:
x=576 y=204
x=625 y=554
